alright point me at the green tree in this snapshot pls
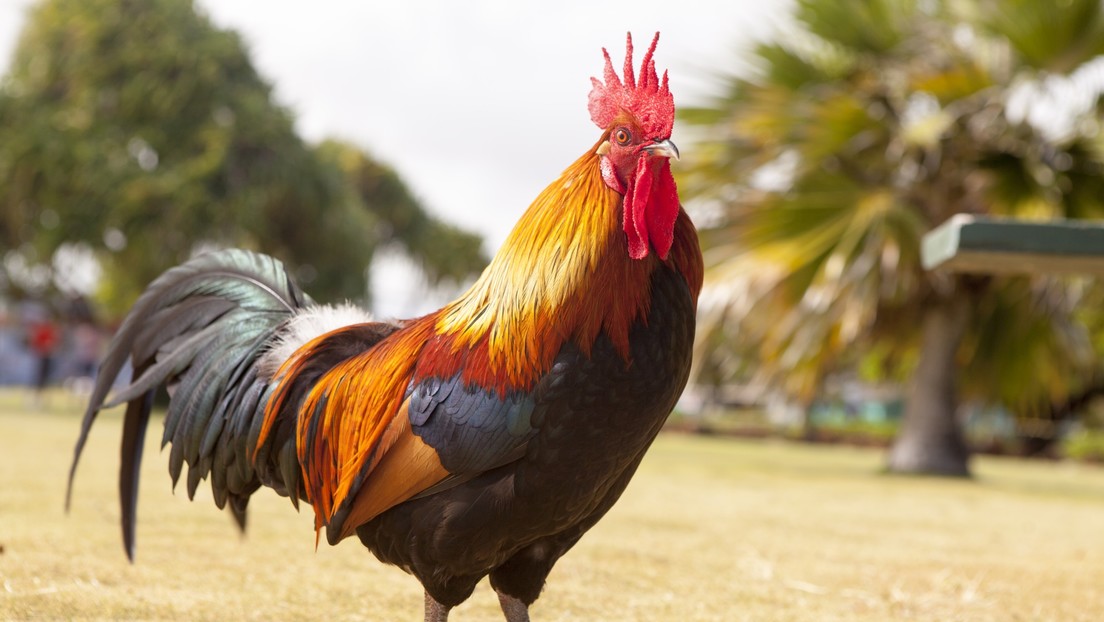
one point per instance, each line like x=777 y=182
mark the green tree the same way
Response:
x=141 y=132
x=445 y=252
x=862 y=128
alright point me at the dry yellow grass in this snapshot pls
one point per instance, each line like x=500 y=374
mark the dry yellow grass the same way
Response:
x=710 y=529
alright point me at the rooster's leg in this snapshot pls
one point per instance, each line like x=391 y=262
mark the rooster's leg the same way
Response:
x=435 y=611
x=515 y=610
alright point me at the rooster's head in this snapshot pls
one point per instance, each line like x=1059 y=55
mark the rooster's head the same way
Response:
x=637 y=116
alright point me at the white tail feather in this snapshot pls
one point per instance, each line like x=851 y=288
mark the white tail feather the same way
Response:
x=305 y=326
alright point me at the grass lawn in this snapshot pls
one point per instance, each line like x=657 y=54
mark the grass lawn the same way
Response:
x=710 y=529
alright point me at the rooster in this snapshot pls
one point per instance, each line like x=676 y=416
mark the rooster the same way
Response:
x=483 y=439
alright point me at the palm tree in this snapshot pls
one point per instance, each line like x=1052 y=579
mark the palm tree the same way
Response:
x=864 y=126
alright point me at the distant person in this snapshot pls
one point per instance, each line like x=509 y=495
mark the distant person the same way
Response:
x=43 y=340
x=87 y=345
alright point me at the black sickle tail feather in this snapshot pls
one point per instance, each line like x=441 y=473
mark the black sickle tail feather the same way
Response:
x=199 y=329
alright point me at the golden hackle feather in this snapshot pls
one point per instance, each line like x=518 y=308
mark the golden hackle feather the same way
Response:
x=559 y=276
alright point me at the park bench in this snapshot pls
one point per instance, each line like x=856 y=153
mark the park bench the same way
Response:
x=967 y=243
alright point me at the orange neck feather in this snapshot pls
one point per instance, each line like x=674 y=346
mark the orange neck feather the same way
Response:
x=562 y=274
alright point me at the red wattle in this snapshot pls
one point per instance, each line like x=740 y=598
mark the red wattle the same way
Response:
x=664 y=211
x=636 y=209
x=650 y=209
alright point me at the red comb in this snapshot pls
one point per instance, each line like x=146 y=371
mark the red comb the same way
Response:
x=649 y=101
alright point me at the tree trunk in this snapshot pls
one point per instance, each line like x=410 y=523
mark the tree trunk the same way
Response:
x=930 y=440
x=808 y=427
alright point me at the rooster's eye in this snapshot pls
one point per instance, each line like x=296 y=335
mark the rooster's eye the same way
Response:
x=622 y=136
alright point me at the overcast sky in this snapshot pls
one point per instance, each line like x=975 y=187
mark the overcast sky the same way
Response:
x=477 y=104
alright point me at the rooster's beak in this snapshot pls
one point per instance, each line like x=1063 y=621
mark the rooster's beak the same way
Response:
x=664 y=148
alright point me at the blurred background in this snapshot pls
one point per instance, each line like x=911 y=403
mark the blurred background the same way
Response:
x=384 y=151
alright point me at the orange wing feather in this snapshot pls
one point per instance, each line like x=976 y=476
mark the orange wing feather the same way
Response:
x=350 y=421
x=407 y=467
